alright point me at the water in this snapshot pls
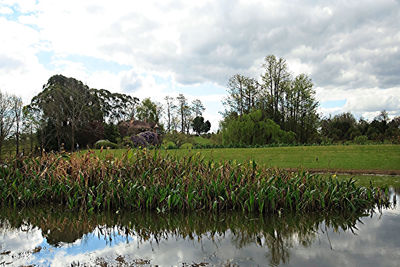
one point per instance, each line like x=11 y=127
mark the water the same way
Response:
x=55 y=237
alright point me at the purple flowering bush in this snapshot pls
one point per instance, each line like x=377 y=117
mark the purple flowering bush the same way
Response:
x=150 y=137
x=138 y=141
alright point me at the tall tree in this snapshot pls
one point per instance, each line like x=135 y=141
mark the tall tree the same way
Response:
x=67 y=105
x=170 y=107
x=18 y=116
x=184 y=111
x=300 y=109
x=116 y=107
x=6 y=118
x=149 y=111
x=275 y=81
x=198 y=107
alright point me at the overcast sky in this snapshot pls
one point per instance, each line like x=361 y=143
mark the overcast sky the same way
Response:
x=350 y=49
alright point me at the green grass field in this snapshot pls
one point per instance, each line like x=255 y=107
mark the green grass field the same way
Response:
x=330 y=158
x=352 y=157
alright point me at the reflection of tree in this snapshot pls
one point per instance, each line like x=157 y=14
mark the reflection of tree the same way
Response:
x=277 y=233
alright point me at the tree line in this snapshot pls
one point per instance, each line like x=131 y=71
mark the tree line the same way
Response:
x=284 y=102
x=68 y=114
x=275 y=108
x=280 y=108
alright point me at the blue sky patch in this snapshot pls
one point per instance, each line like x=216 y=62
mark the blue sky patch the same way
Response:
x=333 y=103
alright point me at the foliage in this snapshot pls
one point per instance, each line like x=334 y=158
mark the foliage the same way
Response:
x=150 y=137
x=361 y=140
x=138 y=141
x=169 y=145
x=186 y=146
x=111 y=132
x=185 y=113
x=344 y=127
x=7 y=117
x=105 y=144
x=289 y=102
x=253 y=129
x=201 y=126
x=177 y=138
x=66 y=106
x=143 y=180
x=115 y=107
x=149 y=111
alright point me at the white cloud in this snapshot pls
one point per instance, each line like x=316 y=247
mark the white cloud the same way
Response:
x=346 y=47
x=6 y=10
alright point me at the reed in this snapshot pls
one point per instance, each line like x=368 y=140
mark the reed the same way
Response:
x=148 y=180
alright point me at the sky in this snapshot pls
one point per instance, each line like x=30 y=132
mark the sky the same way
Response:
x=350 y=49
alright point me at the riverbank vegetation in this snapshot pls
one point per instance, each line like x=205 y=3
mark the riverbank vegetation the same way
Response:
x=146 y=180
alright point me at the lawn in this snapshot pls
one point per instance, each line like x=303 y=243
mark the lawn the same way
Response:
x=352 y=157
x=362 y=159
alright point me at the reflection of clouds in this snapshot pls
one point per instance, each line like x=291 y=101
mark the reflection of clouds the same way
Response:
x=376 y=242
x=19 y=242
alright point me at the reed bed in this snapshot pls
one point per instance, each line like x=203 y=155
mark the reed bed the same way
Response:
x=148 y=180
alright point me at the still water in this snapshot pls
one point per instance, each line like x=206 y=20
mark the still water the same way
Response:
x=54 y=237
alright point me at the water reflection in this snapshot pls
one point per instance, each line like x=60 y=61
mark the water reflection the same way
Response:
x=52 y=236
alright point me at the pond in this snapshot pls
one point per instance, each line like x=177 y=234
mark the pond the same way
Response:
x=47 y=236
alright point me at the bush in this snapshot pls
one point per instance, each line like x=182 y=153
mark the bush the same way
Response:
x=186 y=146
x=138 y=141
x=169 y=145
x=360 y=140
x=177 y=138
x=150 y=137
x=105 y=144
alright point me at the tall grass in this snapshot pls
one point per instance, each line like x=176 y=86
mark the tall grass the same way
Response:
x=147 y=180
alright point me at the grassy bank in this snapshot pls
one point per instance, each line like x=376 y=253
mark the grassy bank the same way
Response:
x=144 y=180
x=352 y=157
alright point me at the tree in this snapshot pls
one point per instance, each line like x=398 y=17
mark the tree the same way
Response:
x=170 y=106
x=6 y=117
x=242 y=94
x=253 y=129
x=275 y=81
x=197 y=107
x=184 y=111
x=18 y=115
x=288 y=102
x=200 y=126
x=300 y=113
x=66 y=106
x=149 y=111
x=340 y=128
x=116 y=107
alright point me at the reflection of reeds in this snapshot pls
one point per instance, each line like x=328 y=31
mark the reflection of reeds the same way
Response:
x=277 y=233
x=145 y=180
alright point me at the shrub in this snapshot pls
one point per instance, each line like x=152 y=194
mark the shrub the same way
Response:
x=186 y=146
x=150 y=137
x=360 y=140
x=105 y=144
x=169 y=145
x=138 y=141
x=177 y=138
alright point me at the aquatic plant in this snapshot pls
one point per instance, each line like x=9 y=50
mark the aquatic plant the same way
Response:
x=148 y=180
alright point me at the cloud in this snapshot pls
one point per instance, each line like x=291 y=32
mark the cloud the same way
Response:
x=131 y=82
x=346 y=47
